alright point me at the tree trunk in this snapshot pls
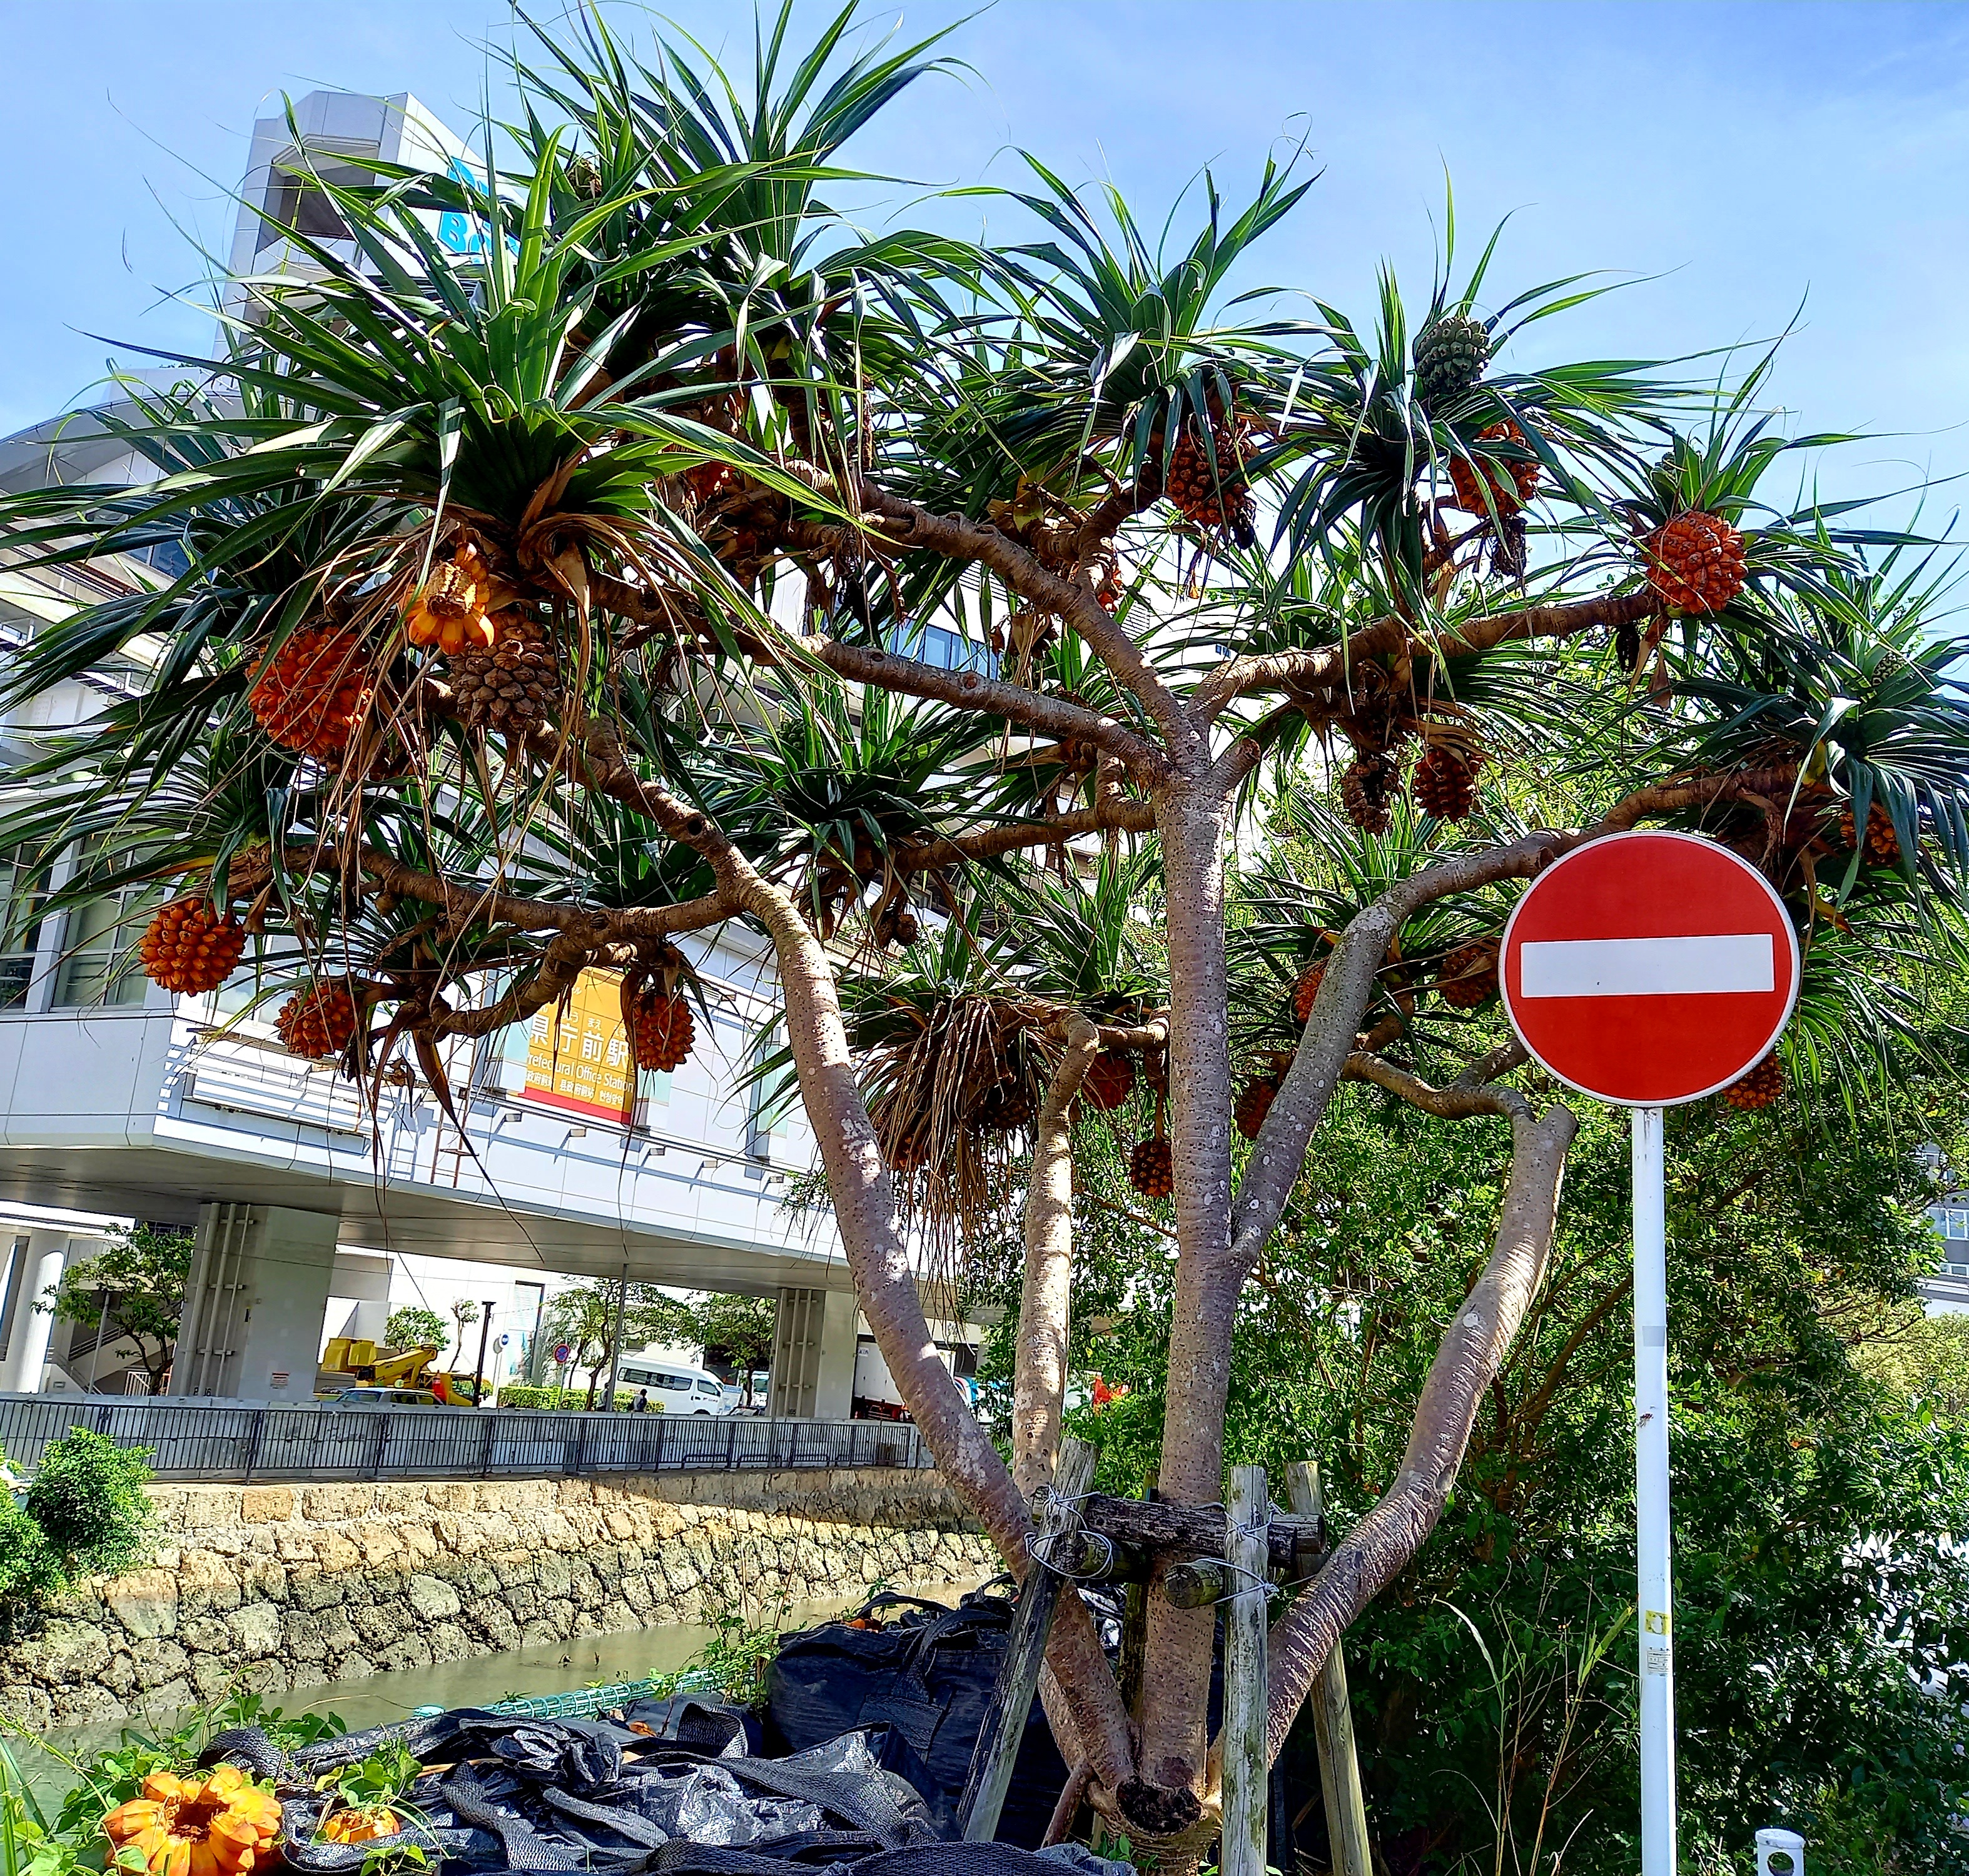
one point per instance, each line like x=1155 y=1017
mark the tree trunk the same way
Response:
x=1038 y=1384
x=1193 y=822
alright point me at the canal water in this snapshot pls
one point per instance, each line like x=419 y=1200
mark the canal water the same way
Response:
x=546 y=1668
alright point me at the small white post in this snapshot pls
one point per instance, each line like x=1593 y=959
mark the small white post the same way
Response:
x=1656 y=1611
x=1774 y=1844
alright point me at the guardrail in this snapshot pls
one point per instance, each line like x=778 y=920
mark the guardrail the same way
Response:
x=200 y=1439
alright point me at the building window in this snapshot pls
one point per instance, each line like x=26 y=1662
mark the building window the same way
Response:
x=171 y=558
x=947 y=650
x=296 y=201
x=1951 y=1221
x=23 y=888
x=770 y=1095
x=99 y=968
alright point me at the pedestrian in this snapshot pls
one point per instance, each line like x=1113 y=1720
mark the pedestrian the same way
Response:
x=642 y=1405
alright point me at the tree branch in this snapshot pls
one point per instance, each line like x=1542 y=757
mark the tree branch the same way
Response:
x=958 y=537
x=1327 y=669
x=1118 y=812
x=864 y=1210
x=971 y=690
x=1329 y=1044
x=1038 y=1382
x=1457 y=1102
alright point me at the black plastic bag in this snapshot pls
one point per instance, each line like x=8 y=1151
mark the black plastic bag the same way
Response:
x=929 y=1676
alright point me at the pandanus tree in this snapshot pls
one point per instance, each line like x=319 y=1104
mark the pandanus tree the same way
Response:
x=552 y=601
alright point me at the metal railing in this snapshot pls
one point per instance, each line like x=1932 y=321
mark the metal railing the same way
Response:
x=243 y=1441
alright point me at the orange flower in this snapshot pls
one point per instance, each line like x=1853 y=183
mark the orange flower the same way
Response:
x=216 y=1825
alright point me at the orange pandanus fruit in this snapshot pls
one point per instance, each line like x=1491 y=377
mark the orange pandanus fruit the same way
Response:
x=309 y=691
x=1468 y=975
x=191 y=947
x=662 y=1033
x=1109 y=1081
x=1883 y=844
x=1306 y=991
x=1695 y=563
x=319 y=1023
x=1759 y=1088
x=1444 y=784
x=1206 y=494
x=1152 y=1168
x=217 y=1824
x=1506 y=497
x=1253 y=1102
x=453 y=609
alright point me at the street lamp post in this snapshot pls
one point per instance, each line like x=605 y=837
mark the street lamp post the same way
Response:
x=479 y=1372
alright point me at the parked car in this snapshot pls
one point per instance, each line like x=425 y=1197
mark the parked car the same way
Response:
x=675 y=1390
x=380 y=1397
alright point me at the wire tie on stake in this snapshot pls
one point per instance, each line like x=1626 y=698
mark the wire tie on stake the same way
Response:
x=1039 y=1545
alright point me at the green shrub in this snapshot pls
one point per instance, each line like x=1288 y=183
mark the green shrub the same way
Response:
x=565 y=1400
x=30 y=1571
x=88 y=1499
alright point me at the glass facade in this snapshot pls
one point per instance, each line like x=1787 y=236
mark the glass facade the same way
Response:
x=99 y=968
x=22 y=890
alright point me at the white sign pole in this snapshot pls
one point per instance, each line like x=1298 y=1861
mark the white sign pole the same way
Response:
x=1651 y=1508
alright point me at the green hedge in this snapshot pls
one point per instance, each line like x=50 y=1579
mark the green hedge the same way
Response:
x=566 y=1400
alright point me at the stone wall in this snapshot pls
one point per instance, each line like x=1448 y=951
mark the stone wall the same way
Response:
x=280 y=1586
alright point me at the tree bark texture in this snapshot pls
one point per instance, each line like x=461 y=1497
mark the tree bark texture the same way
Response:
x=1193 y=824
x=1038 y=1382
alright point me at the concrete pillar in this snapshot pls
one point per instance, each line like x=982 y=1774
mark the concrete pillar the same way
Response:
x=12 y=1284
x=32 y=1329
x=260 y=1276
x=813 y=1356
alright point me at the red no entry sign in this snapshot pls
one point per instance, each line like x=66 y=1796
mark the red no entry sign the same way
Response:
x=1649 y=969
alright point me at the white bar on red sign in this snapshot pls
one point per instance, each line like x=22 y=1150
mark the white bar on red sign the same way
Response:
x=1649 y=967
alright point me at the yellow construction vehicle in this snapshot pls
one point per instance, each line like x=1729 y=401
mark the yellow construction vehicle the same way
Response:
x=349 y=1362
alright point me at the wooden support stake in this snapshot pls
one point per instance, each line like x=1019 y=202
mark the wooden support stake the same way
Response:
x=1195 y=1586
x=1004 y=1729
x=1135 y=1633
x=1333 y=1722
x=1188 y=1531
x=1246 y=1763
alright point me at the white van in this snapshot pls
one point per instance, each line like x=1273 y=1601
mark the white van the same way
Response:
x=676 y=1390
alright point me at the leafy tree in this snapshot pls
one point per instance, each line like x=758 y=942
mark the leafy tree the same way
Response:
x=1925 y=1358
x=30 y=1572
x=414 y=1327
x=464 y=1313
x=135 y=1288
x=1822 y=1604
x=554 y=600
x=583 y=1316
x=87 y=1510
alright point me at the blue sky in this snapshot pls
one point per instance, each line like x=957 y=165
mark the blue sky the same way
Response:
x=1739 y=161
